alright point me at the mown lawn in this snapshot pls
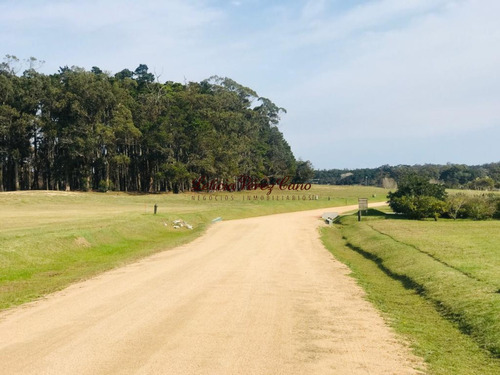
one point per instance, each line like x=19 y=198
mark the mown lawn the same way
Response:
x=437 y=281
x=471 y=247
x=51 y=239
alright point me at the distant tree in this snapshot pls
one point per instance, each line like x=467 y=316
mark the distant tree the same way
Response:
x=481 y=207
x=482 y=183
x=304 y=172
x=142 y=75
x=89 y=130
x=417 y=198
x=416 y=185
x=125 y=73
x=96 y=70
x=388 y=183
x=455 y=203
x=451 y=175
x=11 y=65
x=458 y=175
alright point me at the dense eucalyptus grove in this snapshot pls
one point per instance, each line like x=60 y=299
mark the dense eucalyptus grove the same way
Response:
x=88 y=130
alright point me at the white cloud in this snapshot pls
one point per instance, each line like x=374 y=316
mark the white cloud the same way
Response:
x=317 y=26
x=382 y=69
x=92 y=15
x=432 y=76
x=313 y=9
x=111 y=34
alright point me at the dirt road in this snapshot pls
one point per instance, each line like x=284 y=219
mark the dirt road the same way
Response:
x=252 y=296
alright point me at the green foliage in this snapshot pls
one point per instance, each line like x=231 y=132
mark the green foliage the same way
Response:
x=417 y=198
x=76 y=128
x=418 y=207
x=105 y=186
x=455 y=204
x=416 y=185
x=304 y=172
x=476 y=207
x=480 y=207
x=483 y=183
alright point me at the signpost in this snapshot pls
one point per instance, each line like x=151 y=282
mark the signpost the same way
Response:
x=363 y=206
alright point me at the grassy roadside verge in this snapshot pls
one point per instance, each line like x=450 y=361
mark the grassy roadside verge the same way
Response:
x=458 y=292
x=440 y=341
x=49 y=240
x=43 y=261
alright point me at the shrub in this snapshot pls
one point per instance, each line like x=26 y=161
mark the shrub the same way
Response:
x=484 y=183
x=419 y=207
x=480 y=207
x=417 y=198
x=455 y=204
x=497 y=208
x=103 y=186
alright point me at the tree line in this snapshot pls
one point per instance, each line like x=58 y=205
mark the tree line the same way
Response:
x=456 y=176
x=90 y=130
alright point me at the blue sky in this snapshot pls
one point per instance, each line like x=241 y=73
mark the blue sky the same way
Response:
x=365 y=83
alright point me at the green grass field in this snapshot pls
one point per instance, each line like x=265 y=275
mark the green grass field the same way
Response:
x=51 y=239
x=437 y=281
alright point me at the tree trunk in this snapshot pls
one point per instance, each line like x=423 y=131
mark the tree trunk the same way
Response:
x=1 y=177
x=118 y=178
x=107 y=175
x=68 y=186
x=16 y=176
x=87 y=183
x=35 y=185
x=151 y=184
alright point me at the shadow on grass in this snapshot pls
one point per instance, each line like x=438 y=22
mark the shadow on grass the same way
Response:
x=410 y=284
x=373 y=212
x=406 y=281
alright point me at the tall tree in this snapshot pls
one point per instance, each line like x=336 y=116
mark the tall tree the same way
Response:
x=79 y=129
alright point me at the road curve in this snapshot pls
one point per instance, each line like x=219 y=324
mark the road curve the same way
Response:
x=251 y=296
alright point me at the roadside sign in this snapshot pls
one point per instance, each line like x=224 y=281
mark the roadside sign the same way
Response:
x=363 y=204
